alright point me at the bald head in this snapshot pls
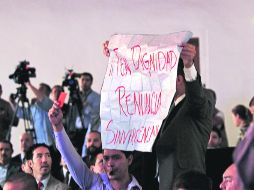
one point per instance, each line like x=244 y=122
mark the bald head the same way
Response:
x=231 y=179
x=26 y=141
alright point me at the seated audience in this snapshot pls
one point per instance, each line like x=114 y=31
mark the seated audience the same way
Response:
x=242 y=118
x=7 y=167
x=215 y=139
x=116 y=162
x=231 y=180
x=39 y=158
x=192 y=180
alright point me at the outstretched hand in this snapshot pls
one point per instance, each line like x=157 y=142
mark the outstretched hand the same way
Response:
x=188 y=54
x=55 y=116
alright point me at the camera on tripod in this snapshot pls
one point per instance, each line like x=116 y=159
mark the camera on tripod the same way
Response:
x=20 y=76
x=22 y=73
x=70 y=81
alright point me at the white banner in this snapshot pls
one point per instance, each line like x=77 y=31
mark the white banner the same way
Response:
x=138 y=87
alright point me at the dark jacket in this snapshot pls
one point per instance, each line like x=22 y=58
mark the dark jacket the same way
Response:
x=182 y=144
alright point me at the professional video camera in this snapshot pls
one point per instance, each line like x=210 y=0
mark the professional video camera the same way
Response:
x=22 y=73
x=70 y=81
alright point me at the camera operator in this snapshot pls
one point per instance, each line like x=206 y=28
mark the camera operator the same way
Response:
x=6 y=116
x=38 y=116
x=84 y=103
x=90 y=100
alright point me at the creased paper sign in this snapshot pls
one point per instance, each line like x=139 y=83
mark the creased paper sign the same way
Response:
x=138 y=87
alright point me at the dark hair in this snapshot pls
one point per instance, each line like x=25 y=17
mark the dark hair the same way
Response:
x=213 y=93
x=6 y=142
x=27 y=179
x=127 y=153
x=29 y=153
x=47 y=87
x=251 y=102
x=88 y=74
x=243 y=112
x=94 y=131
x=58 y=87
x=92 y=159
x=216 y=130
x=193 y=180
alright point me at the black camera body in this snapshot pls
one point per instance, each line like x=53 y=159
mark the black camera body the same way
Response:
x=70 y=81
x=22 y=73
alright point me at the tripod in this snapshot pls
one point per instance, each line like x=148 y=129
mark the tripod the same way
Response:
x=26 y=111
x=75 y=108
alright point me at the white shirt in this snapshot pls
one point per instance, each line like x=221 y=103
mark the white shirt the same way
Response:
x=3 y=173
x=44 y=182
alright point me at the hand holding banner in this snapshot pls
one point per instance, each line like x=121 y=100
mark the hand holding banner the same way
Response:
x=138 y=88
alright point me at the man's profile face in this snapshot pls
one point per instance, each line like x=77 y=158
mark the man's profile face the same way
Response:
x=26 y=168
x=116 y=164
x=230 y=179
x=214 y=140
x=41 y=162
x=5 y=153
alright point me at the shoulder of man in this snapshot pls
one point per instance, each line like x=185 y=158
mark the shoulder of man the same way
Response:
x=54 y=183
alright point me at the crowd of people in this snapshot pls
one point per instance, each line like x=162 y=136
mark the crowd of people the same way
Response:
x=66 y=151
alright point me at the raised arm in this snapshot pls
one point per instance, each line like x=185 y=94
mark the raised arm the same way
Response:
x=78 y=169
x=39 y=95
x=201 y=101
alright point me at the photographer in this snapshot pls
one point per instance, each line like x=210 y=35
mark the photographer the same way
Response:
x=38 y=117
x=83 y=103
x=6 y=116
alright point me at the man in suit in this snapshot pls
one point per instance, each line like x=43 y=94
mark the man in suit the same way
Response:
x=40 y=161
x=26 y=141
x=66 y=177
x=7 y=167
x=182 y=141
